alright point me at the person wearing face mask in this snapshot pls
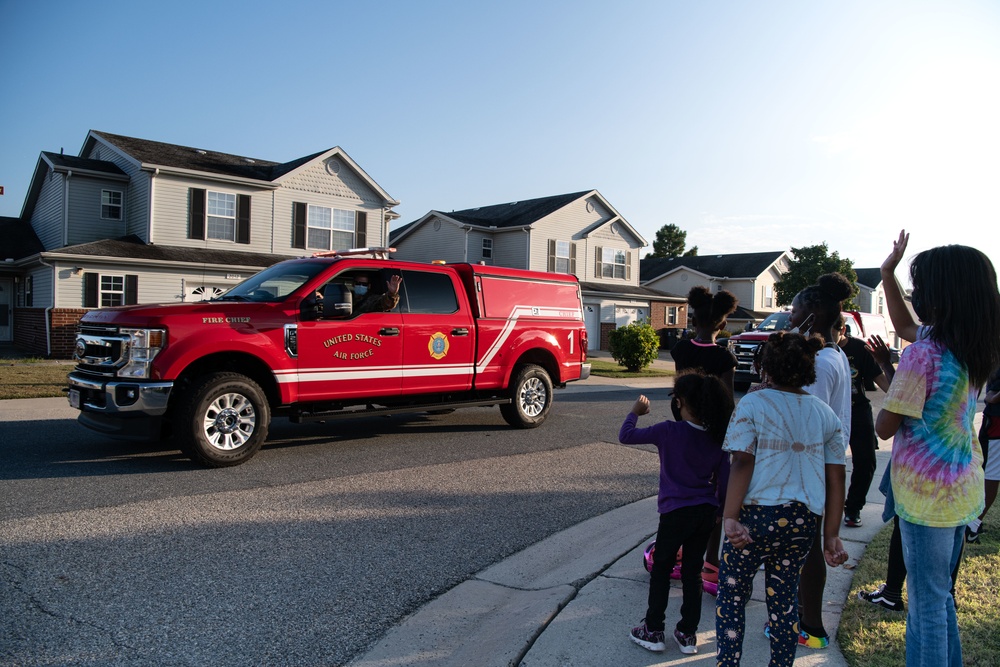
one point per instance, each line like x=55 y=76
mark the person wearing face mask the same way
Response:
x=694 y=473
x=815 y=310
x=369 y=301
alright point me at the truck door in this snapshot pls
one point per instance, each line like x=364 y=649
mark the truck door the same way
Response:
x=439 y=334
x=350 y=356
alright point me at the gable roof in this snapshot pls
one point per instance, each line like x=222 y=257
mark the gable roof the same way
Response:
x=515 y=214
x=869 y=277
x=158 y=154
x=19 y=239
x=739 y=265
x=608 y=289
x=132 y=247
x=60 y=162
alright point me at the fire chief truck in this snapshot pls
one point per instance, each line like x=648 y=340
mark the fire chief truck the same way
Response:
x=296 y=341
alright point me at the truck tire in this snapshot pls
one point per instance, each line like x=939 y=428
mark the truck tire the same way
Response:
x=223 y=420
x=531 y=397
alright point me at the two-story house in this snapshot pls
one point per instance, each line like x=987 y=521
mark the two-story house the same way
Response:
x=135 y=221
x=579 y=233
x=750 y=276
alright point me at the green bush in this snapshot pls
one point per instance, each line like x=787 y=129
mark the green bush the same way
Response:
x=634 y=346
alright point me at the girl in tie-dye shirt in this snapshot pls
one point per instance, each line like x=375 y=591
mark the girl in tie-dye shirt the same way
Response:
x=937 y=475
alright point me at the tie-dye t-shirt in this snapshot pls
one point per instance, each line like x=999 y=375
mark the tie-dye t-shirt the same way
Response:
x=791 y=437
x=937 y=464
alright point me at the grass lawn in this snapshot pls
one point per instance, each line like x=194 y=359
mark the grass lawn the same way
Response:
x=611 y=369
x=873 y=637
x=30 y=378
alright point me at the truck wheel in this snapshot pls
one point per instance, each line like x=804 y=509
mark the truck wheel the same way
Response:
x=531 y=395
x=223 y=421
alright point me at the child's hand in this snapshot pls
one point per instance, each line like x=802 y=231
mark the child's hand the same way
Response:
x=879 y=349
x=641 y=406
x=834 y=552
x=898 y=248
x=736 y=533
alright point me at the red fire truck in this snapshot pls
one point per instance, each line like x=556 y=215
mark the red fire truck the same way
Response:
x=294 y=340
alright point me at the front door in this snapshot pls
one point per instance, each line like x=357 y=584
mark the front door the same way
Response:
x=6 y=310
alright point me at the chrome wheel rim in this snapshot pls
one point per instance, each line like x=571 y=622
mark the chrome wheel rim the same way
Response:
x=229 y=422
x=532 y=397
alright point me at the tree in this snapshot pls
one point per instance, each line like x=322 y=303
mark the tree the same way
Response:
x=809 y=263
x=693 y=252
x=670 y=240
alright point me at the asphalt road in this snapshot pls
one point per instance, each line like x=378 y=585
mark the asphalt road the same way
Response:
x=112 y=554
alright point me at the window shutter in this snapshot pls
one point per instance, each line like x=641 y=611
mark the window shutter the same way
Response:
x=360 y=229
x=131 y=289
x=552 y=255
x=298 y=225
x=196 y=216
x=243 y=218
x=628 y=266
x=90 y=290
x=572 y=258
x=597 y=262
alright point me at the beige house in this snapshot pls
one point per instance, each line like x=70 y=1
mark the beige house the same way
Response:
x=579 y=233
x=750 y=276
x=136 y=221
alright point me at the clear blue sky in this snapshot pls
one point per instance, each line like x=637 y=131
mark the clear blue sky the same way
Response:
x=752 y=125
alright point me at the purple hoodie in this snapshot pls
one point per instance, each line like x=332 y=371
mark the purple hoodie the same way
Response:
x=693 y=468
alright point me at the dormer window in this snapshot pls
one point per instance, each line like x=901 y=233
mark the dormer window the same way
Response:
x=111 y=205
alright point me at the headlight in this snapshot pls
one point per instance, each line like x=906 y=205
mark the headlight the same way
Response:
x=143 y=346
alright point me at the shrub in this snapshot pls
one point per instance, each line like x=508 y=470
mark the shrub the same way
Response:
x=634 y=346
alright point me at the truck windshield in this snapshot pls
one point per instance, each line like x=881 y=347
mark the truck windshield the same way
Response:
x=274 y=283
x=774 y=322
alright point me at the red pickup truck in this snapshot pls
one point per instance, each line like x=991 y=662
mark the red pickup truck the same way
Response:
x=290 y=341
x=744 y=345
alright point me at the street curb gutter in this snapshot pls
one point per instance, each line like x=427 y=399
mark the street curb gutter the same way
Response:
x=495 y=617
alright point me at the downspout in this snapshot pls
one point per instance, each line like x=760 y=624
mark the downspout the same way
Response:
x=152 y=201
x=527 y=247
x=467 y=230
x=273 y=204
x=48 y=311
x=66 y=209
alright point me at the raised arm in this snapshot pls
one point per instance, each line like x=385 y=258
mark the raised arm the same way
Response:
x=883 y=357
x=899 y=314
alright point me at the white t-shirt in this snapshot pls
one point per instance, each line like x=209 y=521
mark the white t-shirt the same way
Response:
x=833 y=384
x=791 y=437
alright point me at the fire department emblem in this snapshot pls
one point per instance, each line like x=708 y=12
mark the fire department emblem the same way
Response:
x=438 y=345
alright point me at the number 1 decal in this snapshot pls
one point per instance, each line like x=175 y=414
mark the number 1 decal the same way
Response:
x=571 y=334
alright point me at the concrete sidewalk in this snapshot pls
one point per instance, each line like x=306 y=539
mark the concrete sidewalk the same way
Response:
x=572 y=599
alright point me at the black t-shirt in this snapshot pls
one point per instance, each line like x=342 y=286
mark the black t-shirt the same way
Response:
x=710 y=358
x=864 y=368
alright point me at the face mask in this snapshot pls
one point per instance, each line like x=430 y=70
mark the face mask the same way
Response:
x=675 y=407
x=804 y=328
x=361 y=290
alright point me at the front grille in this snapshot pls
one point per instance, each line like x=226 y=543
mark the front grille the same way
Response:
x=100 y=350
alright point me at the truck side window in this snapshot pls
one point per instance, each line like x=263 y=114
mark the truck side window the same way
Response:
x=426 y=292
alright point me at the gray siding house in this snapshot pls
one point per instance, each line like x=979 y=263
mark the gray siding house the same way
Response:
x=579 y=233
x=750 y=276
x=136 y=221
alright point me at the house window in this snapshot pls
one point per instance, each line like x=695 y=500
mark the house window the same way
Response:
x=29 y=297
x=487 y=248
x=613 y=263
x=221 y=216
x=881 y=303
x=768 y=296
x=111 y=205
x=329 y=228
x=112 y=291
x=672 y=315
x=562 y=257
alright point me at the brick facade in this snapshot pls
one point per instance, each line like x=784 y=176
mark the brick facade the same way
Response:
x=29 y=332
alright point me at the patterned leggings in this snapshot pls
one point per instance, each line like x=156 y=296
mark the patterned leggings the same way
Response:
x=782 y=536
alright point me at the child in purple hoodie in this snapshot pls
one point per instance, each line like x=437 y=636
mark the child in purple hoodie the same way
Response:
x=694 y=472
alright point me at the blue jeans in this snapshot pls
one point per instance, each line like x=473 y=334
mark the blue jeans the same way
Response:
x=930 y=555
